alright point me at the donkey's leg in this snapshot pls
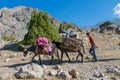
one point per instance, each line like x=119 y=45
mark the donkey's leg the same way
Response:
x=52 y=57
x=58 y=56
x=34 y=56
x=61 y=57
x=67 y=56
x=77 y=56
x=80 y=53
x=40 y=60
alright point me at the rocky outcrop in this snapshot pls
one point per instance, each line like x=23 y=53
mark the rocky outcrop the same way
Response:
x=14 y=22
x=117 y=30
x=30 y=71
x=113 y=28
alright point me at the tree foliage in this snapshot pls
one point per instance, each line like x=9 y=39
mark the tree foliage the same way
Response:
x=68 y=25
x=9 y=38
x=40 y=26
x=106 y=23
x=93 y=29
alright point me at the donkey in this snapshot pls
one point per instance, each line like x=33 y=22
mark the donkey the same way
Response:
x=80 y=50
x=42 y=50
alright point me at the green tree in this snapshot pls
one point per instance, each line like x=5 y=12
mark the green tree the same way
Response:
x=93 y=29
x=68 y=25
x=40 y=26
x=106 y=23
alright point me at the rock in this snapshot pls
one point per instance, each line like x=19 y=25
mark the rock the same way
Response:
x=15 y=22
x=6 y=60
x=53 y=72
x=57 y=67
x=45 y=78
x=117 y=72
x=111 y=70
x=97 y=67
x=5 y=73
x=114 y=78
x=65 y=74
x=4 y=76
x=91 y=79
x=101 y=74
x=44 y=66
x=114 y=70
x=30 y=71
x=13 y=55
x=87 y=57
x=73 y=73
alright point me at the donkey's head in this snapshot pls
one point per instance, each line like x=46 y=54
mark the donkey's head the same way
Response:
x=25 y=50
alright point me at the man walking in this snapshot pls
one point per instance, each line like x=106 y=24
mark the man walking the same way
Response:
x=92 y=49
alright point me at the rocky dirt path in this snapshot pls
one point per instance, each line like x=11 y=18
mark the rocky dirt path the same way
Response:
x=107 y=67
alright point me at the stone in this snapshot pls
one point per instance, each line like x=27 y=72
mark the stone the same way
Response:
x=13 y=55
x=101 y=74
x=65 y=74
x=44 y=66
x=53 y=72
x=6 y=60
x=73 y=73
x=114 y=78
x=30 y=71
x=57 y=67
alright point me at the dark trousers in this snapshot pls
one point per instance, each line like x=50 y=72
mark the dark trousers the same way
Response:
x=92 y=51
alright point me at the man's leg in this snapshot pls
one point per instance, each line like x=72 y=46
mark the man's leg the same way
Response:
x=91 y=51
x=94 y=52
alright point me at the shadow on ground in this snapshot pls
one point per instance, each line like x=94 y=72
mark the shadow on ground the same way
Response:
x=45 y=62
x=11 y=47
x=55 y=62
x=103 y=60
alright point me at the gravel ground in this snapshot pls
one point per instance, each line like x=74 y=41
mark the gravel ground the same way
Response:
x=108 y=53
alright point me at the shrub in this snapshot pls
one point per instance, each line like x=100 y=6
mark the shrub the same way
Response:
x=106 y=23
x=66 y=25
x=93 y=29
x=9 y=38
x=40 y=26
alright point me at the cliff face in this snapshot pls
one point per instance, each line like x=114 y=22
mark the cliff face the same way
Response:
x=14 y=22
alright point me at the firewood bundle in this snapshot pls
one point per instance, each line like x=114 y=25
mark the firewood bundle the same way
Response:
x=70 y=44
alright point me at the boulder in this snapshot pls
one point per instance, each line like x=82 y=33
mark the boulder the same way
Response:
x=30 y=71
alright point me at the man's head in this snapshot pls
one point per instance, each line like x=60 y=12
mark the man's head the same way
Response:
x=88 y=34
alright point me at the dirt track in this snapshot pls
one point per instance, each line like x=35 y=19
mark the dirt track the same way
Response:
x=108 y=53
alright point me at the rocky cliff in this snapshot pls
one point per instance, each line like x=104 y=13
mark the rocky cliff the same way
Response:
x=14 y=22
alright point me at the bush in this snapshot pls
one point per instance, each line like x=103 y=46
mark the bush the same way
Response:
x=40 y=26
x=93 y=29
x=66 y=25
x=8 y=38
x=106 y=23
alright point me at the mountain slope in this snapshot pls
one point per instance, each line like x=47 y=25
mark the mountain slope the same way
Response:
x=14 y=22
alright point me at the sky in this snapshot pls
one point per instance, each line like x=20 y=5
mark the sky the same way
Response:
x=79 y=12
